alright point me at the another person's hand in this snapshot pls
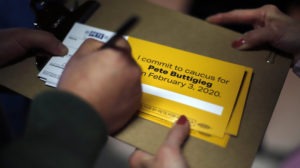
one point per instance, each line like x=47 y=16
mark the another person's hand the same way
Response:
x=109 y=79
x=16 y=42
x=271 y=27
x=169 y=154
x=177 y=5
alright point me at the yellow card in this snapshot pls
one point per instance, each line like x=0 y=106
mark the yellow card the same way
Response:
x=222 y=142
x=234 y=123
x=202 y=88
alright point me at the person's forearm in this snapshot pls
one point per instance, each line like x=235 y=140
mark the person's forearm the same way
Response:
x=63 y=131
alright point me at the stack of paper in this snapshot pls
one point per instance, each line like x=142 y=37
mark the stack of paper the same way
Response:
x=79 y=32
x=210 y=92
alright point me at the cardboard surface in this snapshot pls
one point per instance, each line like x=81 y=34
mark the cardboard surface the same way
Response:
x=180 y=31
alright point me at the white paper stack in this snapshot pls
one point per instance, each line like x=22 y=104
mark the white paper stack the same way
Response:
x=76 y=36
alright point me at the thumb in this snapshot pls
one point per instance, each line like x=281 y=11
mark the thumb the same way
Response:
x=29 y=39
x=140 y=159
x=253 y=39
x=178 y=134
x=169 y=153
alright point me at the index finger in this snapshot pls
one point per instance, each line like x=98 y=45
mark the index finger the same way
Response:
x=239 y=16
x=92 y=45
x=122 y=47
x=88 y=46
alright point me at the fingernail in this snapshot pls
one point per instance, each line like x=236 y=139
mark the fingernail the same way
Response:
x=63 y=50
x=239 y=44
x=182 y=120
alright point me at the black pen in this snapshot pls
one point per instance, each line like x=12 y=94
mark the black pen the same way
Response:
x=125 y=27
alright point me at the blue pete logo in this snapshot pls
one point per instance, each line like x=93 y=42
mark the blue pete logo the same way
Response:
x=96 y=35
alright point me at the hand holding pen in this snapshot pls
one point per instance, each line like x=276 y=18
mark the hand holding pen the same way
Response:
x=106 y=78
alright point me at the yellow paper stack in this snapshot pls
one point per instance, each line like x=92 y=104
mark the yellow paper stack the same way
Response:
x=211 y=93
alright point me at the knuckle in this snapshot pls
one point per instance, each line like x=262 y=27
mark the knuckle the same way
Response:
x=90 y=41
x=136 y=71
x=91 y=44
x=270 y=7
x=118 y=57
x=133 y=71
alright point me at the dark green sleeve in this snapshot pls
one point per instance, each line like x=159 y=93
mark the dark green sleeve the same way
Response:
x=63 y=131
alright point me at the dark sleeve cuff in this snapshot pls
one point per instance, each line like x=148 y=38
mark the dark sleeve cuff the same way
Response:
x=62 y=129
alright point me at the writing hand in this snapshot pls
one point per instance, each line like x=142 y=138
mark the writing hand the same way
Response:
x=109 y=79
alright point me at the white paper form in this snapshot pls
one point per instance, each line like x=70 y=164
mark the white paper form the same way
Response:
x=77 y=35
